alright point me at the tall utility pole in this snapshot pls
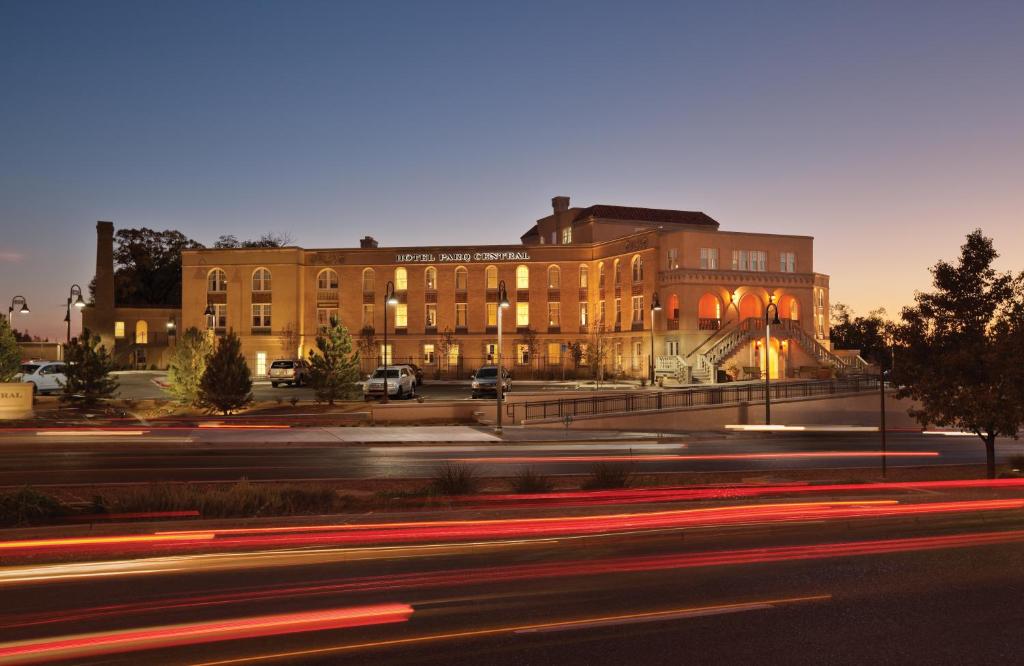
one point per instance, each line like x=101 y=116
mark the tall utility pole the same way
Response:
x=767 y=357
x=389 y=299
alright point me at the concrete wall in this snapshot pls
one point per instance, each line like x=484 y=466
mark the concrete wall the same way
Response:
x=408 y=411
x=15 y=401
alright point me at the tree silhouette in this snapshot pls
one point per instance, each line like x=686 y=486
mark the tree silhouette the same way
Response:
x=227 y=382
x=87 y=371
x=334 y=365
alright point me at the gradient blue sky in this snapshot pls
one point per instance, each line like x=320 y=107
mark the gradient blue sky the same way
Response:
x=886 y=130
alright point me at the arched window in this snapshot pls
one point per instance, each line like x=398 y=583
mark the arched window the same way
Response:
x=368 y=280
x=522 y=277
x=600 y=275
x=491 y=274
x=616 y=273
x=327 y=279
x=709 y=313
x=461 y=278
x=638 y=268
x=751 y=306
x=401 y=279
x=554 y=277
x=216 y=281
x=261 y=279
x=141 y=332
x=430 y=278
x=584 y=276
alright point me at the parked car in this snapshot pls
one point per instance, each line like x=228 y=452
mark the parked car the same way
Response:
x=485 y=381
x=418 y=372
x=44 y=376
x=400 y=382
x=294 y=372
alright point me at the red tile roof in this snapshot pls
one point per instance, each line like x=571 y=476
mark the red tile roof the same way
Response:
x=657 y=215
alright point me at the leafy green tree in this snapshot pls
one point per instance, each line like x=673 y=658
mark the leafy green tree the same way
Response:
x=227 y=383
x=334 y=365
x=187 y=366
x=867 y=334
x=10 y=353
x=269 y=240
x=147 y=266
x=87 y=371
x=960 y=349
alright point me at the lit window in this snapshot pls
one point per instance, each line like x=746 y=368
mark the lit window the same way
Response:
x=709 y=258
x=601 y=311
x=219 y=318
x=118 y=329
x=566 y=235
x=491 y=352
x=453 y=354
x=368 y=280
x=600 y=275
x=672 y=261
x=583 y=315
x=492 y=315
x=638 y=309
x=554 y=277
x=638 y=269
x=216 y=281
x=428 y=354
x=461 y=278
x=430 y=278
x=554 y=315
x=327 y=279
x=368 y=315
x=522 y=277
x=261 y=279
x=554 y=353
x=491 y=274
x=401 y=315
x=431 y=315
x=618 y=311
x=261 y=363
x=523 y=354
x=324 y=317
x=522 y=315
x=386 y=356
x=617 y=274
x=638 y=353
x=461 y=315
x=584 y=276
x=787 y=262
x=141 y=332
x=261 y=315
x=401 y=279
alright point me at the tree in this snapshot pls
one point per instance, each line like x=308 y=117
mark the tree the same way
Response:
x=445 y=345
x=367 y=343
x=867 y=334
x=187 y=366
x=531 y=341
x=229 y=241
x=227 y=383
x=334 y=370
x=87 y=371
x=960 y=349
x=147 y=266
x=596 y=350
x=10 y=353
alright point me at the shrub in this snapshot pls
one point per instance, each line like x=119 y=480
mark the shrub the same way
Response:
x=241 y=500
x=529 y=481
x=455 y=480
x=29 y=507
x=607 y=476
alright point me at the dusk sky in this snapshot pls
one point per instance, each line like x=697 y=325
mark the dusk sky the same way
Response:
x=886 y=130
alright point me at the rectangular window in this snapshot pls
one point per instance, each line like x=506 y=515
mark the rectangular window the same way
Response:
x=141 y=333
x=430 y=318
x=522 y=315
x=401 y=279
x=522 y=277
x=401 y=315
x=638 y=354
x=601 y=318
x=787 y=262
x=386 y=355
x=618 y=312
x=566 y=235
x=428 y=354
x=673 y=259
x=261 y=315
x=261 y=363
x=368 y=315
x=368 y=281
x=618 y=356
x=523 y=354
x=492 y=315
x=461 y=279
x=219 y=318
x=739 y=260
x=460 y=315
x=584 y=320
x=638 y=309
x=492 y=278
x=118 y=329
x=758 y=260
x=554 y=353
x=709 y=258
x=453 y=355
x=491 y=352
x=554 y=315
x=324 y=316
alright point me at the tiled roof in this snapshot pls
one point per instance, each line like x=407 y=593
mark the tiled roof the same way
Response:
x=657 y=215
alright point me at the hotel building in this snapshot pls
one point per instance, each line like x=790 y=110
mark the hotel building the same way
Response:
x=576 y=275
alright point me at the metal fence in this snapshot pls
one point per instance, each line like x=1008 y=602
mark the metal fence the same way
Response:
x=702 y=396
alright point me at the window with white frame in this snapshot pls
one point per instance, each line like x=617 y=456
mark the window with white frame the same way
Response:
x=522 y=277
x=461 y=315
x=554 y=315
x=430 y=317
x=522 y=315
x=219 y=318
x=401 y=279
x=601 y=314
x=461 y=278
x=261 y=315
x=491 y=276
x=401 y=315
x=554 y=277
x=428 y=354
x=584 y=321
x=709 y=258
x=216 y=281
x=787 y=262
x=638 y=309
x=492 y=315
x=638 y=269
x=324 y=316
x=327 y=279
x=638 y=354
x=566 y=235
x=672 y=260
x=430 y=278
x=261 y=363
x=368 y=315
x=758 y=260
x=369 y=279
x=261 y=279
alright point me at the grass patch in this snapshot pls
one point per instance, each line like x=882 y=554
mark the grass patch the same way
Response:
x=452 y=479
x=529 y=481
x=607 y=476
x=27 y=506
x=241 y=500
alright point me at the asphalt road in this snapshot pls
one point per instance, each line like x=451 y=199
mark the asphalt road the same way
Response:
x=939 y=589
x=315 y=453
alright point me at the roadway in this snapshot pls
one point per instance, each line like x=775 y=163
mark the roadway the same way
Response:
x=206 y=454
x=843 y=578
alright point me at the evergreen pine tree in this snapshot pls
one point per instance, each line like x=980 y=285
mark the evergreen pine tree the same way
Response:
x=334 y=370
x=10 y=353
x=227 y=383
x=187 y=365
x=87 y=371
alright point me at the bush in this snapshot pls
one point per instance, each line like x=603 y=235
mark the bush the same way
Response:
x=529 y=481
x=241 y=500
x=606 y=476
x=455 y=480
x=29 y=507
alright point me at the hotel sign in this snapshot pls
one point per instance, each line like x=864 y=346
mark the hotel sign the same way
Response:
x=460 y=257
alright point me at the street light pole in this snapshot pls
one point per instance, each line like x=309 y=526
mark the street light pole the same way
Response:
x=500 y=393
x=17 y=300
x=389 y=299
x=655 y=307
x=767 y=357
x=76 y=294
x=881 y=395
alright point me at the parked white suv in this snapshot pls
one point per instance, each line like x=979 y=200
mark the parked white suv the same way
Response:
x=44 y=376
x=400 y=382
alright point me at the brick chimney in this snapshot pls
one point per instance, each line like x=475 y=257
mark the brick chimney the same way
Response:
x=367 y=243
x=100 y=317
x=560 y=204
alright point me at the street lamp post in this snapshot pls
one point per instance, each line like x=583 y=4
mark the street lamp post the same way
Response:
x=655 y=307
x=500 y=393
x=17 y=300
x=389 y=299
x=881 y=395
x=76 y=294
x=767 y=357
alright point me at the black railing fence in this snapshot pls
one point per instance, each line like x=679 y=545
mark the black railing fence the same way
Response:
x=713 y=395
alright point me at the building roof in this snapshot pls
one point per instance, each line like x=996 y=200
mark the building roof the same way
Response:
x=656 y=215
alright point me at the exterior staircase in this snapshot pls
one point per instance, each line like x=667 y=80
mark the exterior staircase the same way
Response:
x=672 y=367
